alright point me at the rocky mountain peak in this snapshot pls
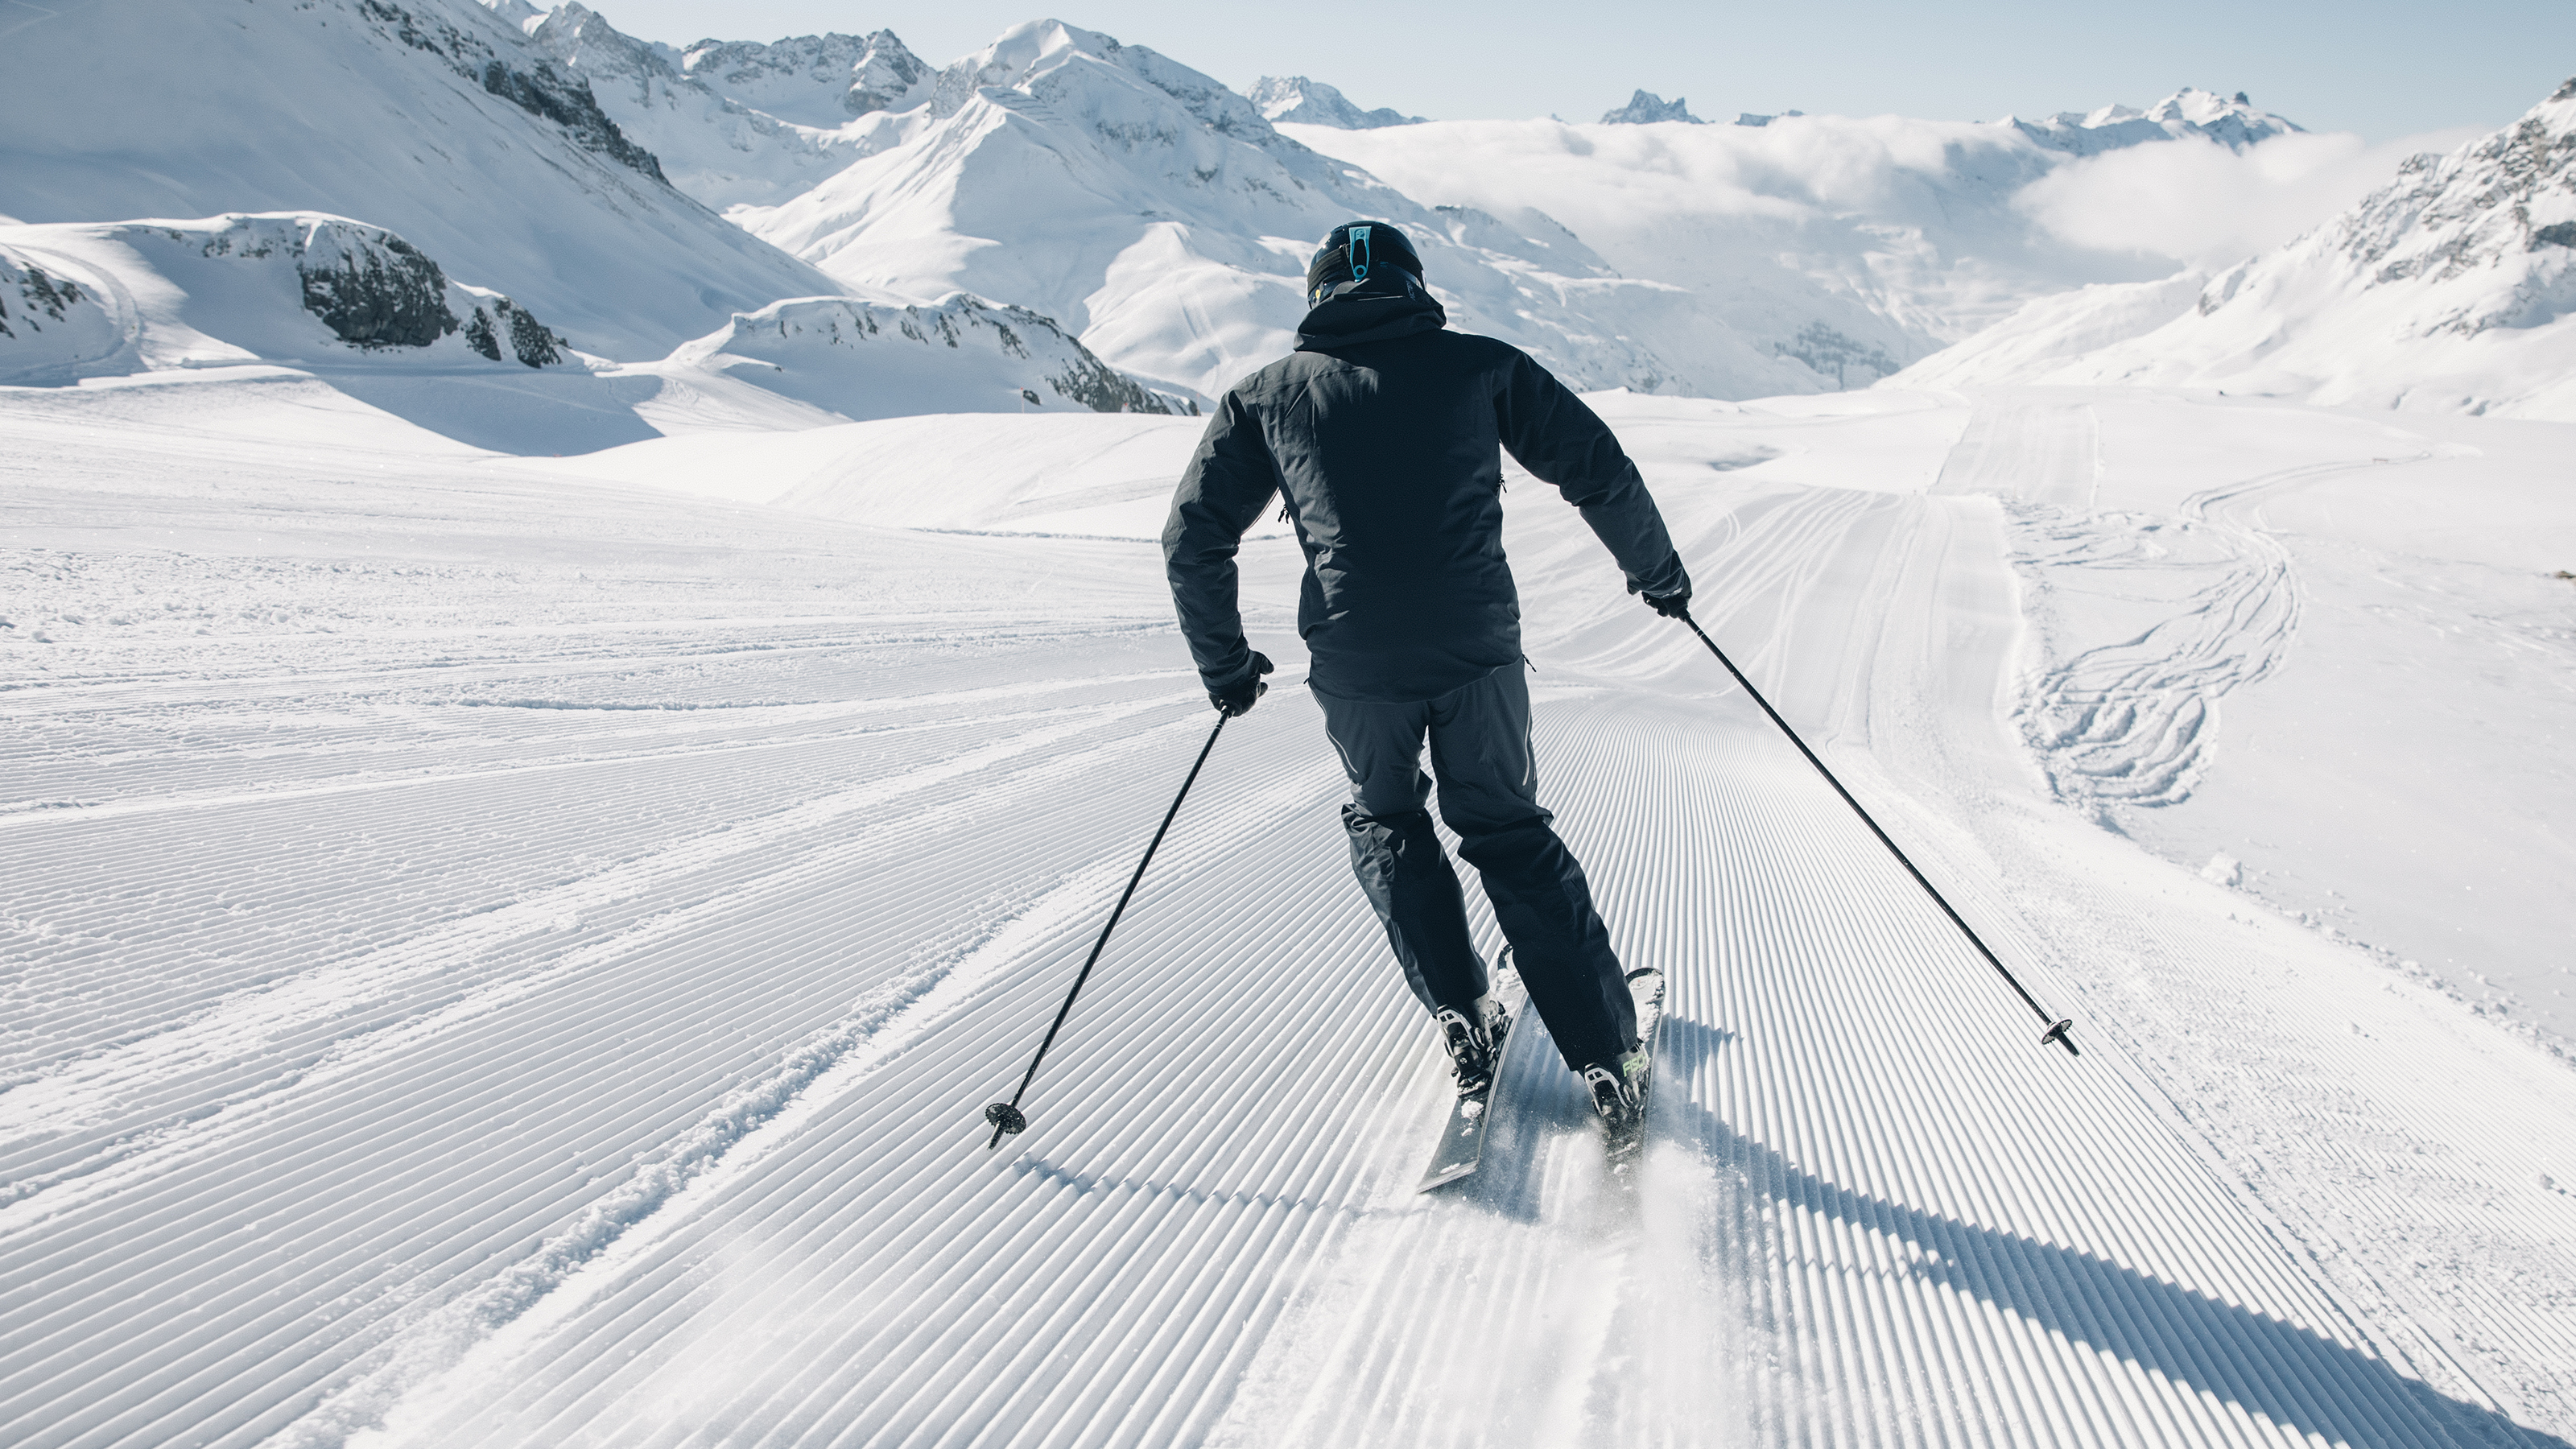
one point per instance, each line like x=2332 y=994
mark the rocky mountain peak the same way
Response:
x=1085 y=72
x=539 y=89
x=862 y=73
x=885 y=76
x=1645 y=108
x=2490 y=228
x=582 y=37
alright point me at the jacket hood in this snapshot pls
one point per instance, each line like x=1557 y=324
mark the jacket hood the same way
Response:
x=1386 y=306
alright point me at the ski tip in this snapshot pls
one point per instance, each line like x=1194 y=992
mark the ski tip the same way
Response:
x=2058 y=1033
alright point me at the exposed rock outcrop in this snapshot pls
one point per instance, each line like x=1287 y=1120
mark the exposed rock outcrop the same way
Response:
x=1645 y=108
x=243 y=288
x=40 y=298
x=862 y=72
x=540 y=90
x=371 y=291
x=866 y=359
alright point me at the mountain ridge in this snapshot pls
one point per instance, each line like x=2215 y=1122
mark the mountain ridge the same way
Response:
x=436 y=120
x=2451 y=288
x=1313 y=103
x=1177 y=223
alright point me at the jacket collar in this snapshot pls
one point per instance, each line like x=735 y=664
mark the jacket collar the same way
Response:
x=1376 y=310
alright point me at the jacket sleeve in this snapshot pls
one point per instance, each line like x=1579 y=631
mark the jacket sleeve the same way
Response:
x=1229 y=481
x=1551 y=433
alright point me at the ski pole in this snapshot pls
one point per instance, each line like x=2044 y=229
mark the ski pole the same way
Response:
x=1005 y=1116
x=2058 y=1027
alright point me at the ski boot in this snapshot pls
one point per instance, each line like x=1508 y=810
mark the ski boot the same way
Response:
x=1618 y=1093
x=1472 y=1039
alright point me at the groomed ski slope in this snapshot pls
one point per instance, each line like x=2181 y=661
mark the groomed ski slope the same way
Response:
x=528 y=973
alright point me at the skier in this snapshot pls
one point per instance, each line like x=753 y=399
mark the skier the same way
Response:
x=1382 y=432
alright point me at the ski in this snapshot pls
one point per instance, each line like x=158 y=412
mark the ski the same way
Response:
x=1462 y=1142
x=1627 y=1141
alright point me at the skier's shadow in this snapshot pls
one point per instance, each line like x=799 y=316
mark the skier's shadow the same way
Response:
x=2284 y=1373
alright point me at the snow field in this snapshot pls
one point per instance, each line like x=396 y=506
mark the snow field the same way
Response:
x=298 y=871
x=556 y=1006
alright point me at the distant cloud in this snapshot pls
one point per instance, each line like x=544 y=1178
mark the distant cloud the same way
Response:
x=2209 y=206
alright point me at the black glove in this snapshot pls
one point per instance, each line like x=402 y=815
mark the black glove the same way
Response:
x=1238 y=697
x=1671 y=606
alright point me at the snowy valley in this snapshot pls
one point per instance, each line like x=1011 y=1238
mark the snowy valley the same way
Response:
x=2452 y=289
x=583 y=655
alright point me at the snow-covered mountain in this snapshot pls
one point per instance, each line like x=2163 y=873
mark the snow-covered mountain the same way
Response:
x=738 y=122
x=1313 y=103
x=103 y=299
x=863 y=360
x=1154 y=215
x=1645 y=108
x=1843 y=246
x=812 y=80
x=435 y=120
x=1162 y=219
x=2189 y=113
x=377 y=319
x=2450 y=288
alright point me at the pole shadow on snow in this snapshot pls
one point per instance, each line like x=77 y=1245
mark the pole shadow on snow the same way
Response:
x=2286 y=1374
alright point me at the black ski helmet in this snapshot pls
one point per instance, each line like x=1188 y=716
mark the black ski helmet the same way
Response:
x=1356 y=251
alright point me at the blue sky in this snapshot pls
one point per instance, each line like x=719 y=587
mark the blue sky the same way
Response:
x=2370 y=66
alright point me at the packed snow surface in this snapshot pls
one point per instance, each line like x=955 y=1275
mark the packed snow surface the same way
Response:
x=513 y=950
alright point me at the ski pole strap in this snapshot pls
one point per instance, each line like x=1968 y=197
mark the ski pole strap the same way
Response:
x=1005 y=1116
x=2058 y=1027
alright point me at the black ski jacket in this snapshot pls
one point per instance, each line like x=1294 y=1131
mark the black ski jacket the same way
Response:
x=1382 y=433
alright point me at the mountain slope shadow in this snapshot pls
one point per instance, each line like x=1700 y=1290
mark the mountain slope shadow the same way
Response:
x=2278 y=1371
x=523 y=412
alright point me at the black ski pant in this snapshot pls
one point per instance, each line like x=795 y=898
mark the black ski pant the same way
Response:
x=1480 y=752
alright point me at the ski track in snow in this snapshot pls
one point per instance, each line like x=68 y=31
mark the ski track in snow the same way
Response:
x=2133 y=722
x=399 y=1072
